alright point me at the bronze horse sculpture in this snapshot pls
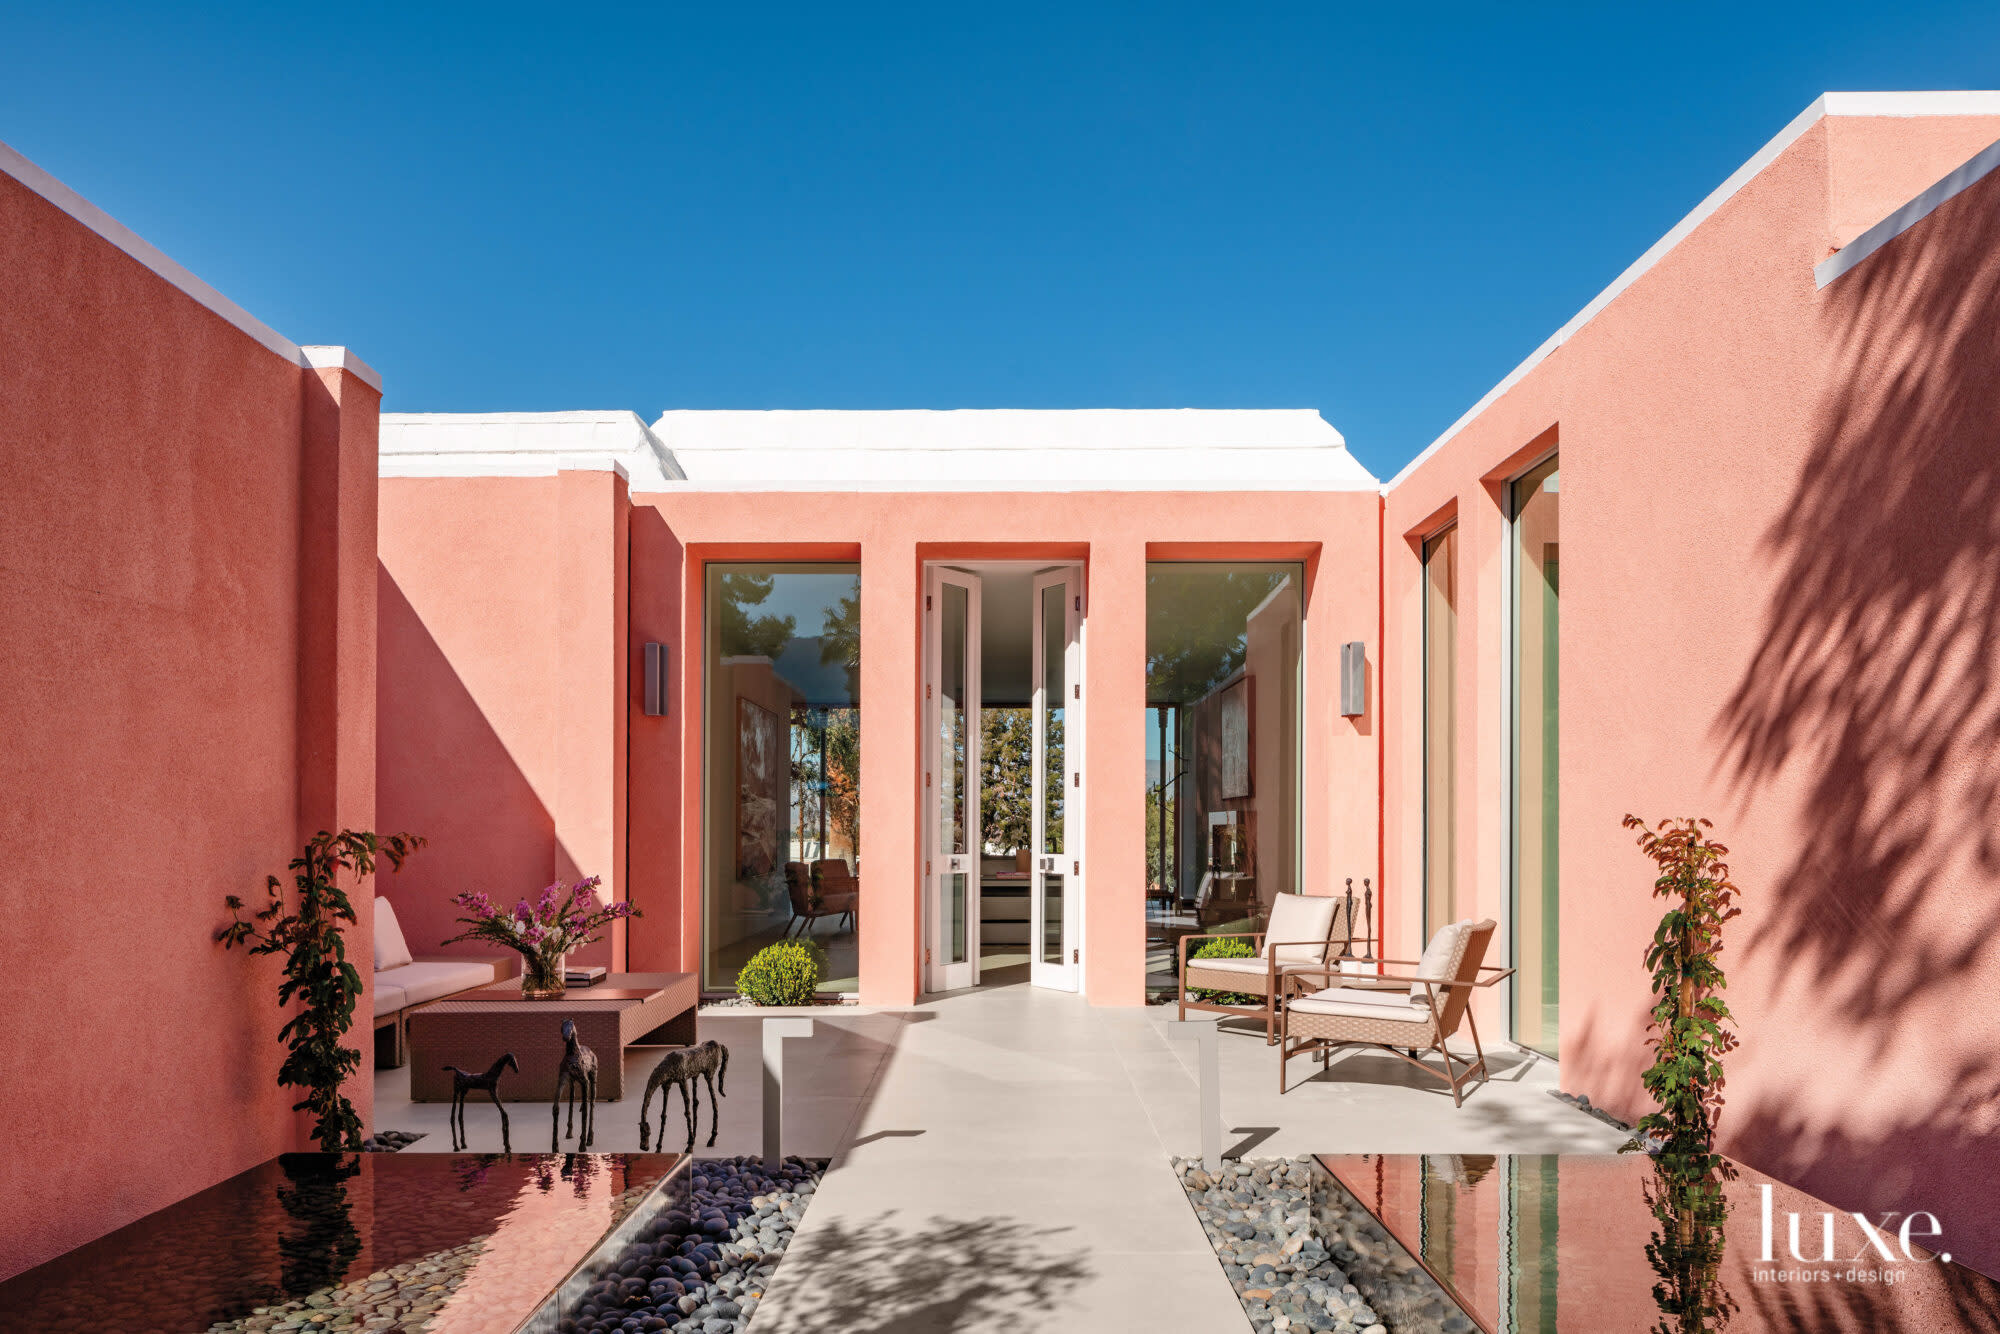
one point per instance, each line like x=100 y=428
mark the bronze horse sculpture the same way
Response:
x=577 y=1074
x=466 y=1081
x=709 y=1061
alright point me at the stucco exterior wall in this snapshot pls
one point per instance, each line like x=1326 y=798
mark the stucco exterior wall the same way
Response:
x=1777 y=603
x=187 y=536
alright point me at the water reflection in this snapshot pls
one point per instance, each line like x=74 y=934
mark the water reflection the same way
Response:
x=406 y=1240
x=1675 y=1244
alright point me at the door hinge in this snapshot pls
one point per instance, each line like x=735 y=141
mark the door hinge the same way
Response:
x=927 y=780
x=927 y=956
x=1079 y=691
x=1076 y=955
x=1078 y=777
x=1076 y=868
x=927 y=866
x=927 y=602
x=1079 y=602
x=927 y=690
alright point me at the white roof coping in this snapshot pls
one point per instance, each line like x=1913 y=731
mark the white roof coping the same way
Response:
x=129 y=241
x=1940 y=103
x=1006 y=449
x=524 y=444
x=1015 y=449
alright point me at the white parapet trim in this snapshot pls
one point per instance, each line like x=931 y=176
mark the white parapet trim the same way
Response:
x=150 y=255
x=321 y=357
x=1108 y=449
x=525 y=444
x=1944 y=103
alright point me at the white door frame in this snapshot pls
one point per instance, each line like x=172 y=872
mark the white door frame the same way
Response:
x=941 y=972
x=1065 y=973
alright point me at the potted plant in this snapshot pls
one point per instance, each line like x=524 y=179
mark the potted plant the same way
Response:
x=562 y=918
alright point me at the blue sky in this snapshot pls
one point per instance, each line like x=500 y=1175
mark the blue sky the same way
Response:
x=934 y=206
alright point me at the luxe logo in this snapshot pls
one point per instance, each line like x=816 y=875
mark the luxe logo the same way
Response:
x=1876 y=1239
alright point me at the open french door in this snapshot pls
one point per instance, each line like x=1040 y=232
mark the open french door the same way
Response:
x=951 y=780
x=1056 y=882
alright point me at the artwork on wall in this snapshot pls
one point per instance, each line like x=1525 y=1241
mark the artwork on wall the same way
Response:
x=761 y=766
x=1236 y=718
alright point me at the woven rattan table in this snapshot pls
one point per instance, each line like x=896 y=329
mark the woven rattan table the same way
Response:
x=631 y=1010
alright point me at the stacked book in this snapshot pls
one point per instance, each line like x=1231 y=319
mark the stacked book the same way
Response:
x=583 y=975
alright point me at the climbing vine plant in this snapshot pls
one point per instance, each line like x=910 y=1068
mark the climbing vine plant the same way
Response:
x=1691 y=1034
x=1690 y=1024
x=317 y=972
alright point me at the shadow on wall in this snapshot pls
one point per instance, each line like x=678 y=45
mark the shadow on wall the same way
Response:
x=874 y=1277
x=443 y=772
x=1876 y=680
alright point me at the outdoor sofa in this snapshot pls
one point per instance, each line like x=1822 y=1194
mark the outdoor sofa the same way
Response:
x=402 y=983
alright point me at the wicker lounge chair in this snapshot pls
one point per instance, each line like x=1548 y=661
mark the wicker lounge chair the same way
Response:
x=1302 y=931
x=1402 y=1023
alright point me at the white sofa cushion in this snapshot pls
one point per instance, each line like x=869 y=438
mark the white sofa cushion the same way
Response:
x=387 y=999
x=1299 y=917
x=1441 y=958
x=439 y=977
x=391 y=950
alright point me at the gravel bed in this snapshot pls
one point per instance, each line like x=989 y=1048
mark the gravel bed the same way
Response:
x=702 y=1269
x=390 y=1141
x=1301 y=1254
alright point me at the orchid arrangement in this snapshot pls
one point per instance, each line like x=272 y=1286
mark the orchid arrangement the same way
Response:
x=563 y=917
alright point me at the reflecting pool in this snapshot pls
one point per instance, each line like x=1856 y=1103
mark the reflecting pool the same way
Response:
x=1534 y=1242
x=310 y=1242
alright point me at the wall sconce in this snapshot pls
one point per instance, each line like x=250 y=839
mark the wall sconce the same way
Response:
x=1353 y=679
x=656 y=681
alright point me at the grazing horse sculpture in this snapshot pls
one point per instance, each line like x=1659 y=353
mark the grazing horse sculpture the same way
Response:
x=577 y=1074
x=710 y=1061
x=466 y=1081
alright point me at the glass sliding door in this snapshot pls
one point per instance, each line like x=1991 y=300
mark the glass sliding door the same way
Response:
x=1535 y=507
x=781 y=765
x=951 y=780
x=1440 y=731
x=1224 y=646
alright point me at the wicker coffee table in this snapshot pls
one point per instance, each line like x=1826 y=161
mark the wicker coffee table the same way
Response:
x=627 y=1010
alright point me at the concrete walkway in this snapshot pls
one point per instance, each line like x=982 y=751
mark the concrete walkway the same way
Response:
x=1000 y=1155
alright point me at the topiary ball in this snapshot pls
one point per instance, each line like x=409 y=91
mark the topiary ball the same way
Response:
x=1226 y=947
x=786 y=973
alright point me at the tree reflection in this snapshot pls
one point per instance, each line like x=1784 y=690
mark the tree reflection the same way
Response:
x=319 y=1240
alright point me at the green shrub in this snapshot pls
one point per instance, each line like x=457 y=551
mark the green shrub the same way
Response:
x=1226 y=947
x=786 y=973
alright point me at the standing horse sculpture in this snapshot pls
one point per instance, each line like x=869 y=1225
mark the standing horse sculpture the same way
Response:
x=710 y=1061
x=578 y=1074
x=464 y=1082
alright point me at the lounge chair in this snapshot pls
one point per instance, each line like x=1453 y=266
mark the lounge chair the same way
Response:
x=1402 y=1023
x=1302 y=931
x=828 y=890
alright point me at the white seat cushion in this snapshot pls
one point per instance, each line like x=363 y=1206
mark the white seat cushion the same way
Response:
x=427 y=981
x=1354 y=1003
x=1300 y=917
x=387 y=999
x=391 y=950
x=1441 y=958
x=1258 y=966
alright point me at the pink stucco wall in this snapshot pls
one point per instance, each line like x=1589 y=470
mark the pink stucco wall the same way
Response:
x=186 y=550
x=1778 y=611
x=503 y=684
x=470 y=689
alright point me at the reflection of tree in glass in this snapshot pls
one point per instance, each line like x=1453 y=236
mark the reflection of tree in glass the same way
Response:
x=320 y=1242
x=1195 y=619
x=1053 y=787
x=740 y=635
x=840 y=640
